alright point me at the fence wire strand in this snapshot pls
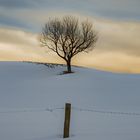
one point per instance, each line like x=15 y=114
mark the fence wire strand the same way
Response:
x=73 y=108
x=107 y=112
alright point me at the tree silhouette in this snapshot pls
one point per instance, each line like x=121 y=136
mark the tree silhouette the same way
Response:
x=67 y=37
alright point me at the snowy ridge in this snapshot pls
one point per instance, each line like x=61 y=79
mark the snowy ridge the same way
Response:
x=105 y=106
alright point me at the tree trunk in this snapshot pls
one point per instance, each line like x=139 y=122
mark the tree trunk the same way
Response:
x=69 y=66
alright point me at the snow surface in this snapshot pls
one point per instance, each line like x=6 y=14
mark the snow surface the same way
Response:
x=105 y=106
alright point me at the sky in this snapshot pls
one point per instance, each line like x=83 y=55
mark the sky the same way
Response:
x=116 y=21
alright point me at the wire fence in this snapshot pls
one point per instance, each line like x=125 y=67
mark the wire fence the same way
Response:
x=107 y=112
x=74 y=109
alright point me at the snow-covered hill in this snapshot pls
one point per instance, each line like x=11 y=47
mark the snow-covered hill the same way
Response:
x=105 y=106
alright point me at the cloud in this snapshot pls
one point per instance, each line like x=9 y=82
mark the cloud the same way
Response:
x=117 y=23
x=119 y=36
x=110 y=61
x=19 y=45
x=17 y=37
x=19 y=13
x=118 y=47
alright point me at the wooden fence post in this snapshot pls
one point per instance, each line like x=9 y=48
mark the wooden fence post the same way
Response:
x=67 y=120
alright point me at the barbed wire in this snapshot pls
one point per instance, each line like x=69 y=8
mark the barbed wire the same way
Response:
x=73 y=108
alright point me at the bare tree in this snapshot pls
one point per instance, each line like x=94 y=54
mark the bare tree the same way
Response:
x=67 y=37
